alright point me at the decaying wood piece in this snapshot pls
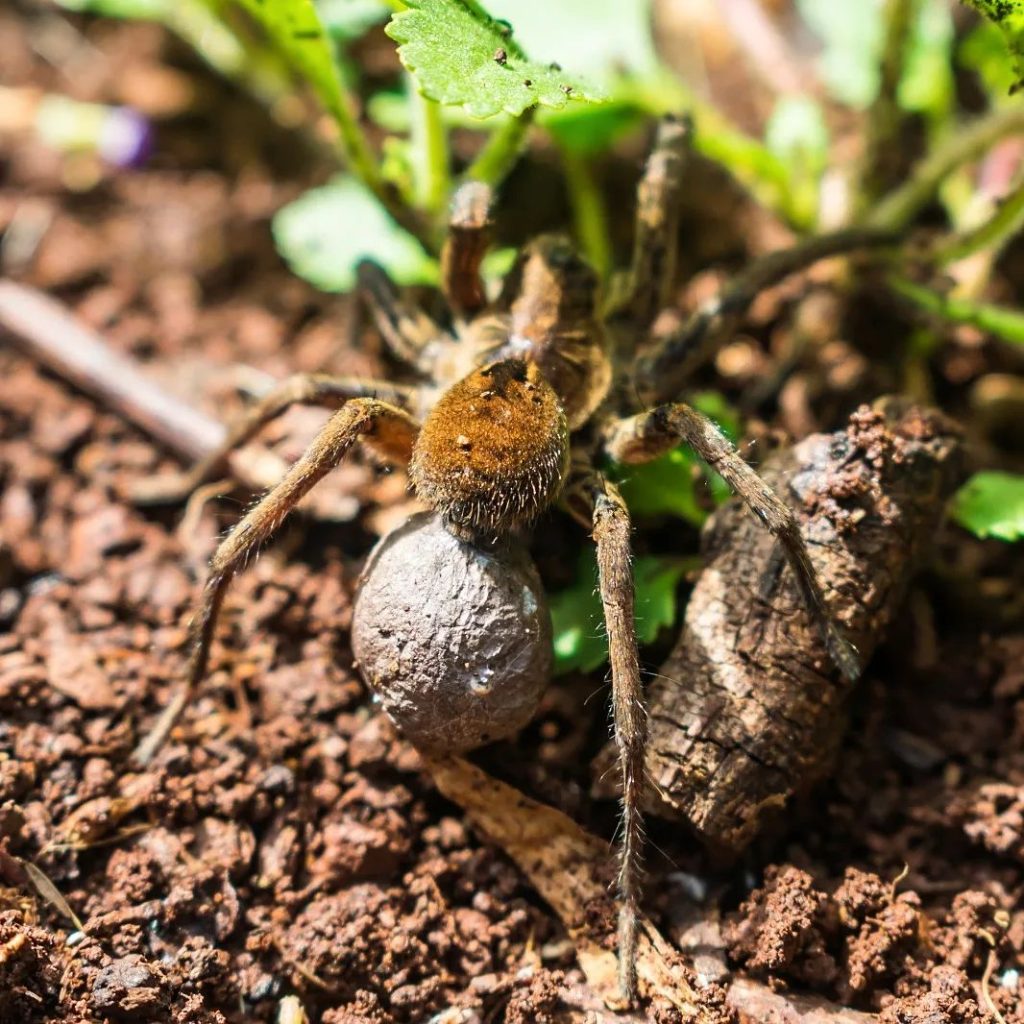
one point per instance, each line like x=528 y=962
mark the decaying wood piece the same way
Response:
x=748 y=710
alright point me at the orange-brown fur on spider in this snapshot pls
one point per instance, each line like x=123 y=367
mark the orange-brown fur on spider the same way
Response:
x=493 y=452
x=506 y=384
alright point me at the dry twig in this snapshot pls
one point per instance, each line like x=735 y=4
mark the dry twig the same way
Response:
x=51 y=334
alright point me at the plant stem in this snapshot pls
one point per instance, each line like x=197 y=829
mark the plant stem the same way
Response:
x=1006 y=220
x=501 y=151
x=309 y=52
x=897 y=209
x=430 y=154
x=884 y=115
x=360 y=161
x=590 y=218
x=1007 y=323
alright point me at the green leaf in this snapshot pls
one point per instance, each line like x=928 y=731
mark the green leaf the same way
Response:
x=586 y=128
x=1008 y=15
x=607 y=37
x=396 y=165
x=612 y=47
x=144 y=10
x=296 y=31
x=796 y=132
x=656 y=580
x=461 y=56
x=497 y=264
x=991 y=504
x=577 y=618
x=663 y=487
x=668 y=485
x=926 y=85
x=591 y=130
x=984 y=51
x=327 y=231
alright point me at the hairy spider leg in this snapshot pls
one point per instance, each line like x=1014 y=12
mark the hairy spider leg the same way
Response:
x=469 y=235
x=391 y=431
x=611 y=530
x=644 y=290
x=650 y=434
x=315 y=389
x=664 y=371
x=408 y=332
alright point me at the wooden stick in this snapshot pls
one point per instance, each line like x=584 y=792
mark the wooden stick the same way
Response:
x=51 y=334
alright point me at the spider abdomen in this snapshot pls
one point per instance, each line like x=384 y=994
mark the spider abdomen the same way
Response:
x=494 y=450
x=454 y=640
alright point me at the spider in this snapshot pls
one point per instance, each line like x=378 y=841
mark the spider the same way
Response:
x=522 y=402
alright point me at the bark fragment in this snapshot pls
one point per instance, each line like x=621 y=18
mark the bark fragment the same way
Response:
x=748 y=711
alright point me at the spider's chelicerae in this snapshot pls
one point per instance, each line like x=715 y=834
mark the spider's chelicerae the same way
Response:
x=523 y=401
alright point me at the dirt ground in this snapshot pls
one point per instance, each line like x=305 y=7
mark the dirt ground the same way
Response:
x=289 y=841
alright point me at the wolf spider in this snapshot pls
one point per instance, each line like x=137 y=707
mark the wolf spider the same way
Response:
x=522 y=401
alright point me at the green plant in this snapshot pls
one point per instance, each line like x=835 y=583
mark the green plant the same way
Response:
x=992 y=505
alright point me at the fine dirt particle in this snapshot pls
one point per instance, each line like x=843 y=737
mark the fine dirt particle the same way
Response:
x=974 y=926
x=30 y=969
x=536 y=1001
x=948 y=1000
x=129 y=987
x=876 y=952
x=780 y=929
x=993 y=817
x=364 y=1009
x=865 y=945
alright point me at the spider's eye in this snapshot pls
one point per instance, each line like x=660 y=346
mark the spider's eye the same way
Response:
x=494 y=450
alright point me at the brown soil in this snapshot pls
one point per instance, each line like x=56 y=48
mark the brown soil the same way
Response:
x=293 y=843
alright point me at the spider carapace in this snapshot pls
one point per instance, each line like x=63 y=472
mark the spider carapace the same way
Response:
x=522 y=400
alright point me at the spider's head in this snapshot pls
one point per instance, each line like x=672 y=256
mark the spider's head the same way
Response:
x=494 y=450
